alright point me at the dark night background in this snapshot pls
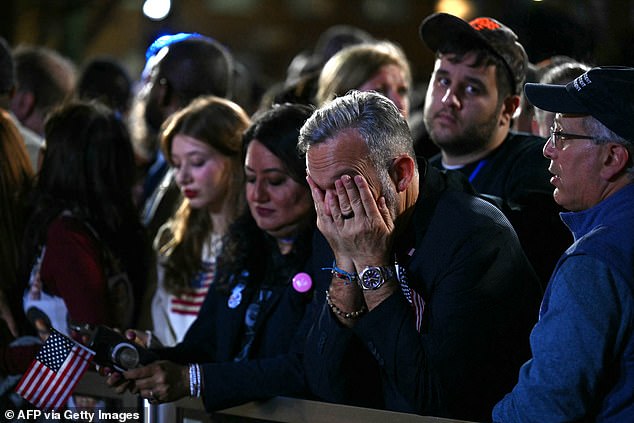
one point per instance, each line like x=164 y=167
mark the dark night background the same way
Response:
x=266 y=34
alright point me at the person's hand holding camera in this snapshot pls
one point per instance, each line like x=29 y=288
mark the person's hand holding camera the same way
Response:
x=160 y=381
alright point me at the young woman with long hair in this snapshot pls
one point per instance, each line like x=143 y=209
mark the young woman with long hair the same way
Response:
x=202 y=144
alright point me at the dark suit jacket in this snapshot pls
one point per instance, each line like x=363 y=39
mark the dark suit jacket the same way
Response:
x=481 y=300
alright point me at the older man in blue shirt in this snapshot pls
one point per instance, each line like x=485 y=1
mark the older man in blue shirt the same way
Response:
x=583 y=345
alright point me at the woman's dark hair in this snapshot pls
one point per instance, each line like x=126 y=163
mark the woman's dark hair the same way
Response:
x=88 y=169
x=277 y=129
x=107 y=80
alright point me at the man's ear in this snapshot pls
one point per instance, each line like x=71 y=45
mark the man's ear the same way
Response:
x=510 y=105
x=616 y=158
x=22 y=104
x=163 y=92
x=402 y=172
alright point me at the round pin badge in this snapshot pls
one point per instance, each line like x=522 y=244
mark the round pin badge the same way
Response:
x=302 y=282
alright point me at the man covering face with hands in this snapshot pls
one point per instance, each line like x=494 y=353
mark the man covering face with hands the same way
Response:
x=428 y=291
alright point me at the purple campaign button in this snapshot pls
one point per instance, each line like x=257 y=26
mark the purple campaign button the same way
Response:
x=302 y=282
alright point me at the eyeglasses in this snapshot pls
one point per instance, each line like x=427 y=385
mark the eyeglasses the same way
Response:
x=556 y=138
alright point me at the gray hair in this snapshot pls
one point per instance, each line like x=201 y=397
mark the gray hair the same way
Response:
x=603 y=135
x=375 y=117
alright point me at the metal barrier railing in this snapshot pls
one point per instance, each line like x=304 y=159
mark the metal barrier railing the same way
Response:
x=279 y=409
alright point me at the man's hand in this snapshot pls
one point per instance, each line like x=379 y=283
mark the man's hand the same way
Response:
x=357 y=226
x=359 y=229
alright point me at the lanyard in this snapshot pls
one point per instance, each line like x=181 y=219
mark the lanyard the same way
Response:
x=477 y=170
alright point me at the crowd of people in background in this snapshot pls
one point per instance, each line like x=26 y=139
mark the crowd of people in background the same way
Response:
x=326 y=237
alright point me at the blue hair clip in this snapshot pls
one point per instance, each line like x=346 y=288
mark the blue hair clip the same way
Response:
x=167 y=40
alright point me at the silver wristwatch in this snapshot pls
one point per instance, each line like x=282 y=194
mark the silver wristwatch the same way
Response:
x=373 y=277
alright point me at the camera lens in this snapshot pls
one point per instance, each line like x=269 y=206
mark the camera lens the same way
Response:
x=125 y=355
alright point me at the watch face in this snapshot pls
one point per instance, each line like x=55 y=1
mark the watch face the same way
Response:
x=372 y=278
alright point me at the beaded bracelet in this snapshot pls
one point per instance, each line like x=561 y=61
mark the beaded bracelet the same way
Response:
x=195 y=385
x=338 y=273
x=340 y=312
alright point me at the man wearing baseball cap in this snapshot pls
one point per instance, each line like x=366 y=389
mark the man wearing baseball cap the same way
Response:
x=472 y=96
x=583 y=345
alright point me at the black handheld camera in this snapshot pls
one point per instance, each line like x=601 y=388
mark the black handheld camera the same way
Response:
x=114 y=350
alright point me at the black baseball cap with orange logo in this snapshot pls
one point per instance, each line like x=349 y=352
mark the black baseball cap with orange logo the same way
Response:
x=441 y=29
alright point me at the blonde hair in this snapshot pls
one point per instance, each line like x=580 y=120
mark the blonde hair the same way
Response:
x=352 y=66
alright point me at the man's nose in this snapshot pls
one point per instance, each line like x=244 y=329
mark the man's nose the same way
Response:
x=450 y=98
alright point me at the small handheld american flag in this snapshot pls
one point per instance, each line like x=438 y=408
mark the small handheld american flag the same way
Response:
x=52 y=376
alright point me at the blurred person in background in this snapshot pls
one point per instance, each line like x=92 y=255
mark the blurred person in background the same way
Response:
x=380 y=66
x=15 y=182
x=302 y=75
x=560 y=73
x=31 y=140
x=85 y=249
x=179 y=69
x=17 y=349
x=106 y=79
x=44 y=80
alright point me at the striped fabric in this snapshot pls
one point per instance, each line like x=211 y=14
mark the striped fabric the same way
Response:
x=190 y=303
x=412 y=296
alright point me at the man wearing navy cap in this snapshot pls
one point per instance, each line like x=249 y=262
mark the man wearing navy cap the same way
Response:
x=583 y=345
x=472 y=96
